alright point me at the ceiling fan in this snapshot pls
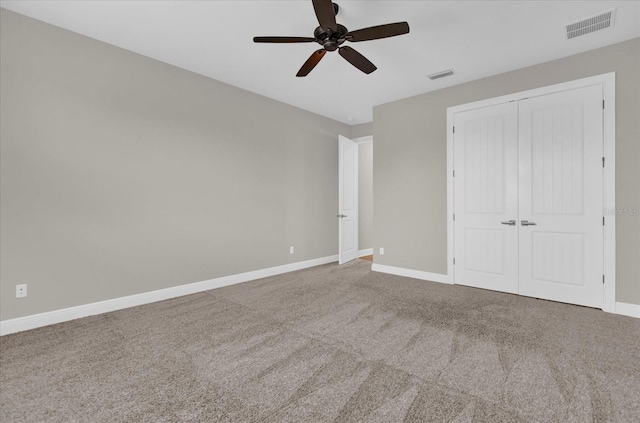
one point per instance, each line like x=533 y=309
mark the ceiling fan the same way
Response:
x=331 y=35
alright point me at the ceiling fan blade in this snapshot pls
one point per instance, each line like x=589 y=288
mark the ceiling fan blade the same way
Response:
x=311 y=62
x=357 y=59
x=326 y=14
x=283 y=40
x=377 y=32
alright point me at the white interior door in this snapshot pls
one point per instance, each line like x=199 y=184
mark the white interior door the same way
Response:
x=347 y=200
x=561 y=196
x=486 y=197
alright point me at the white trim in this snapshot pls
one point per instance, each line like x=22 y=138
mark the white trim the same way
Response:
x=609 y=96
x=631 y=310
x=363 y=140
x=63 y=315
x=605 y=78
x=607 y=81
x=451 y=269
x=410 y=273
x=365 y=252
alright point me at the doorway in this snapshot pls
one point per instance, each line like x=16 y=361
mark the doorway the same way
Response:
x=355 y=198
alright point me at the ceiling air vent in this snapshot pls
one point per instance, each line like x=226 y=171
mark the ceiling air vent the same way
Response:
x=594 y=23
x=442 y=74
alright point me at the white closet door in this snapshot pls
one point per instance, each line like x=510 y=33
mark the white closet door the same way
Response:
x=561 y=192
x=486 y=197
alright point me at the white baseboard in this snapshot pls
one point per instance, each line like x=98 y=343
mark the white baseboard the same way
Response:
x=63 y=315
x=410 y=273
x=20 y=324
x=365 y=252
x=631 y=310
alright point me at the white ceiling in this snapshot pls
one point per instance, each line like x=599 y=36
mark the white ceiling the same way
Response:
x=214 y=38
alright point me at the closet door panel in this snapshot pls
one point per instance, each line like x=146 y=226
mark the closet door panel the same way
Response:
x=485 y=186
x=561 y=197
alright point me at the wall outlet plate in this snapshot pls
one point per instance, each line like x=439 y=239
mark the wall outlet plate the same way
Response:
x=381 y=251
x=291 y=250
x=21 y=290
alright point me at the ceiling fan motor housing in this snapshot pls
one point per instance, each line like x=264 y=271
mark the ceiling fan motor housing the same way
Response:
x=331 y=40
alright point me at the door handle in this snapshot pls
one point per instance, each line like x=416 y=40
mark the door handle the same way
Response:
x=341 y=216
x=509 y=222
x=527 y=223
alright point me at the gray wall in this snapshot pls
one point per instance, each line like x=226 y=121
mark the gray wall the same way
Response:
x=362 y=130
x=122 y=175
x=410 y=161
x=365 y=195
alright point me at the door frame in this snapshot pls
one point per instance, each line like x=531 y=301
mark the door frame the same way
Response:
x=367 y=139
x=608 y=83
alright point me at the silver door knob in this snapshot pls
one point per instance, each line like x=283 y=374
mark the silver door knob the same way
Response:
x=509 y=222
x=527 y=223
x=342 y=215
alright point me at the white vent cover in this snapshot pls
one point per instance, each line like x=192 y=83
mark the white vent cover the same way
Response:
x=442 y=74
x=594 y=23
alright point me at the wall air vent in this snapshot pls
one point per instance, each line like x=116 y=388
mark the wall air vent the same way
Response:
x=442 y=74
x=594 y=23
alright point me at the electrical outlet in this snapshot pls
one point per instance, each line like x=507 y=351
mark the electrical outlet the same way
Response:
x=21 y=290
x=291 y=250
x=381 y=251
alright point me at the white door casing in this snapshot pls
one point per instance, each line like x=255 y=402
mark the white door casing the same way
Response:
x=486 y=197
x=347 y=200
x=561 y=196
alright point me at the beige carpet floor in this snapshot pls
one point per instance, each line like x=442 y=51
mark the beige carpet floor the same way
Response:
x=329 y=344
